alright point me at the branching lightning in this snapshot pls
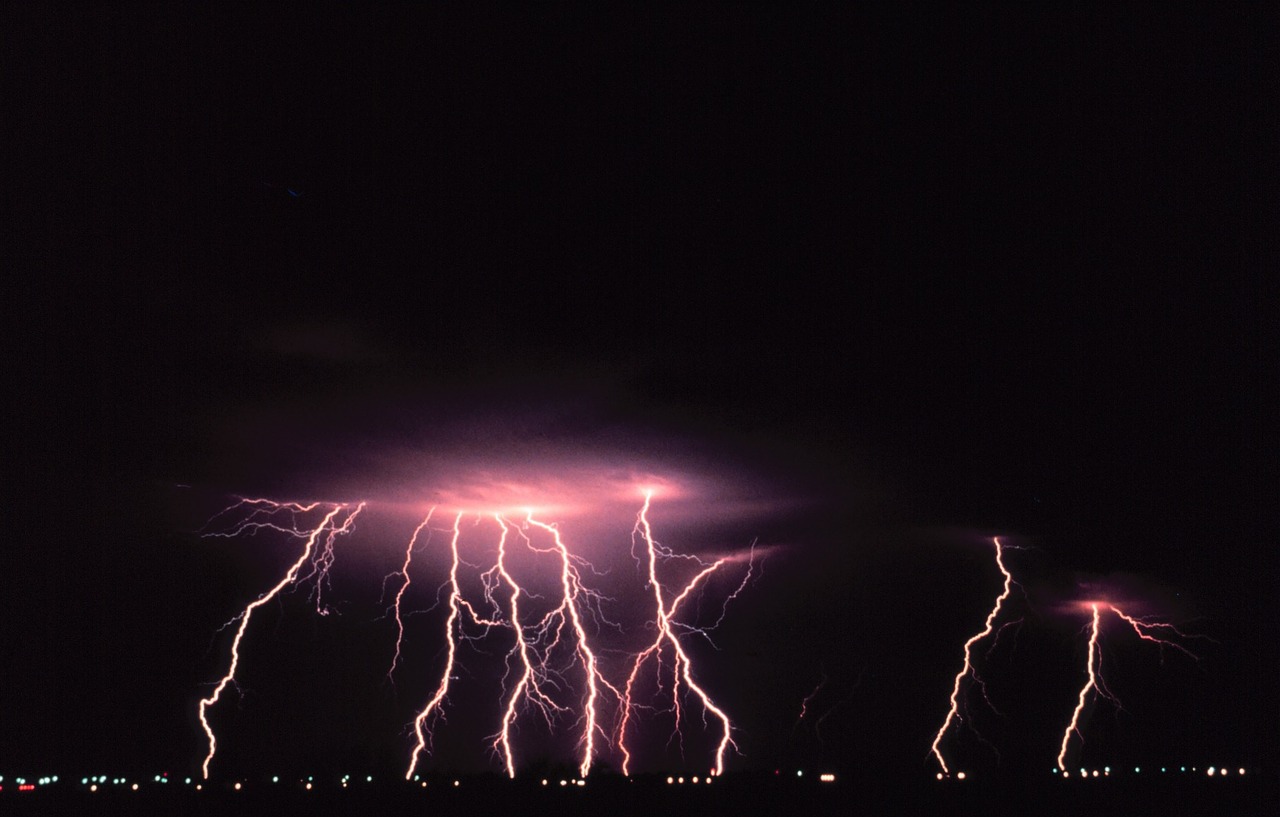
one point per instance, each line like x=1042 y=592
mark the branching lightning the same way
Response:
x=1093 y=665
x=953 y=714
x=433 y=706
x=265 y=515
x=552 y=666
x=682 y=667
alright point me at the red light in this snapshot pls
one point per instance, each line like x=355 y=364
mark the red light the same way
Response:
x=27 y=787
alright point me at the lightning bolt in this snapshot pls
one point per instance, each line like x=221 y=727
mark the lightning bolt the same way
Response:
x=953 y=714
x=532 y=673
x=404 y=573
x=455 y=606
x=552 y=666
x=808 y=699
x=1093 y=666
x=263 y=516
x=571 y=585
x=665 y=633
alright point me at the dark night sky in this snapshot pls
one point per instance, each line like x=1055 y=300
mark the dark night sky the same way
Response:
x=942 y=275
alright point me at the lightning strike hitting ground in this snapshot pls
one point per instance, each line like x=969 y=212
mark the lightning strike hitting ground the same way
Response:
x=953 y=714
x=1093 y=666
x=264 y=515
x=682 y=669
x=571 y=584
x=532 y=674
x=455 y=604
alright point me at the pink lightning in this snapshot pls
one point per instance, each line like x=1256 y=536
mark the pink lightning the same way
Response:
x=455 y=603
x=263 y=516
x=571 y=585
x=953 y=714
x=808 y=699
x=535 y=678
x=682 y=668
x=529 y=686
x=1093 y=666
x=404 y=572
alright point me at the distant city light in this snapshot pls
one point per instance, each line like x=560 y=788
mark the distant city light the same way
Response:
x=827 y=777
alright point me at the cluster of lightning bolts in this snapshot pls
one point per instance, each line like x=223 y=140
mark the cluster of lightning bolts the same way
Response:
x=1147 y=629
x=538 y=681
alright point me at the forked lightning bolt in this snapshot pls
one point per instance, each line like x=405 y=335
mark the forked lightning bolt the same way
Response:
x=1093 y=666
x=532 y=672
x=451 y=625
x=265 y=515
x=533 y=648
x=682 y=668
x=953 y=714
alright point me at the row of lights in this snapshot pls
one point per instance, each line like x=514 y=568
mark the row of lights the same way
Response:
x=93 y=783
x=1106 y=771
x=680 y=780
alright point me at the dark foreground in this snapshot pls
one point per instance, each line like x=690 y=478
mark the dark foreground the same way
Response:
x=746 y=795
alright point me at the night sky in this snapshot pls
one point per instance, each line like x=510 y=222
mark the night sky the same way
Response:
x=890 y=282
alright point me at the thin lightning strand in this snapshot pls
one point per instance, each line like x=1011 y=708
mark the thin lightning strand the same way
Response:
x=1091 y=667
x=808 y=699
x=1143 y=627
x=683 y=665
x=404 y=571
x=253 y=523
x=953 y=713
